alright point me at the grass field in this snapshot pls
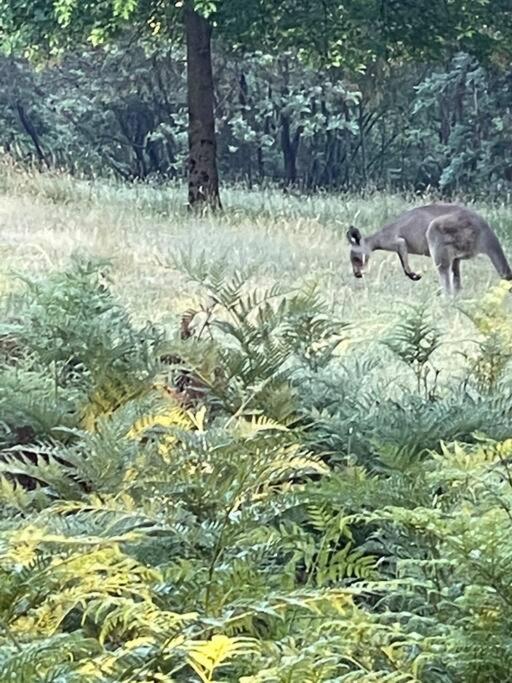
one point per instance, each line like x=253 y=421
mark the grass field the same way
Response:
x=281 y=238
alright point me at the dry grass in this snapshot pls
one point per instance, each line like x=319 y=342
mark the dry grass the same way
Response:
x=44 y=219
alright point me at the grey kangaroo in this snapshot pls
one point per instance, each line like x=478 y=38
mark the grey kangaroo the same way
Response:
x=447 y=232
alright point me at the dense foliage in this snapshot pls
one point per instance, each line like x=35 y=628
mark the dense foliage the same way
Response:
x=235 y=501
x=123 y=111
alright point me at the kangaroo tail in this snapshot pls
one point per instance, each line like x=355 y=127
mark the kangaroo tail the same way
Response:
x=498 y=258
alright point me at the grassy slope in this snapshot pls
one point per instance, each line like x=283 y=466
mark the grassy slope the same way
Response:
x=44 y=219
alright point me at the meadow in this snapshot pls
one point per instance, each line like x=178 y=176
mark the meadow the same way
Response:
x=278 y=238
x=308 y=481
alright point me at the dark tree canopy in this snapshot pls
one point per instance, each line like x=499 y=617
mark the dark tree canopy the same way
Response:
x=337 y=31
x=357 y=35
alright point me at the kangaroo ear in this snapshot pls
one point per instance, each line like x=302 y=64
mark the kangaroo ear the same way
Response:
x=354 y=236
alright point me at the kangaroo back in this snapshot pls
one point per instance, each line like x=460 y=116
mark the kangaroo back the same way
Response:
x=411 y=227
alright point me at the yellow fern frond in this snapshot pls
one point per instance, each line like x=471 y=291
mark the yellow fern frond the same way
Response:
x=97 y=668
x=105 y=401
x=258 y=423
x=22 y=550
x=206 y=656
x=490 y=316
x=475 y=459
x=169 y=417
x=198 y=418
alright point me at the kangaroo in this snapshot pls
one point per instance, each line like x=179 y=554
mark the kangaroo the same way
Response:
x=448 y=233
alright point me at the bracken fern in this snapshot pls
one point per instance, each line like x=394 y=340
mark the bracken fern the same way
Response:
x=282 y=521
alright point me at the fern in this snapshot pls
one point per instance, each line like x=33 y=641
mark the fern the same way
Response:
x=494 y=324
x=414 y=339
x=272 y=524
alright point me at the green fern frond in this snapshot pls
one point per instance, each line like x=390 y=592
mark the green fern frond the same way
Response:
x=56 y=656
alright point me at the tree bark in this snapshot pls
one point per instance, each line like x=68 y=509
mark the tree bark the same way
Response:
x=290 y=147
x=31 y=132
x=203 y=179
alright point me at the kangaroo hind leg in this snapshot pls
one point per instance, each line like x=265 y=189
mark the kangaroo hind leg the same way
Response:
x=456 y=277
x=441 y=255
x=443 y=263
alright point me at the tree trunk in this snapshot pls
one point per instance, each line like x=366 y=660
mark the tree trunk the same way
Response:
x=31 y=132
x=203 y=179
x=445 y=127
x=290 y=147
x=362 y=142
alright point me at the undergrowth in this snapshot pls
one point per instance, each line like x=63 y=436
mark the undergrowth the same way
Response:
x=238 y=499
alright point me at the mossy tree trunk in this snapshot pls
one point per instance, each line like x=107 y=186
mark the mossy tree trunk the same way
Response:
x=203 y=179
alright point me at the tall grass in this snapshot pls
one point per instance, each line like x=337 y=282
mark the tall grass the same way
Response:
x=284 y=238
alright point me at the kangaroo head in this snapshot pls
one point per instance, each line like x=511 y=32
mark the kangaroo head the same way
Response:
x=359 y=253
